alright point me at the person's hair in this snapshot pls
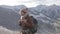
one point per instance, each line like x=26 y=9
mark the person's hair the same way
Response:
x=22 y=10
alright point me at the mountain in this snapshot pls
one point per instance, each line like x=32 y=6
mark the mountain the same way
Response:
x=48 y=17
x=4 y=30
x=9 y=18
x=14 y=8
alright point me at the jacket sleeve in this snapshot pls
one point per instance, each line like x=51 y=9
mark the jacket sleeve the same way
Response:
x=19 y=22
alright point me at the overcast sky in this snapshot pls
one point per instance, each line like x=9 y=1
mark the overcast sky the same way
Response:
x=29 y=3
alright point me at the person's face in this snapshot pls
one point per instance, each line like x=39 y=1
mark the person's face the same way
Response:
x=24 y=12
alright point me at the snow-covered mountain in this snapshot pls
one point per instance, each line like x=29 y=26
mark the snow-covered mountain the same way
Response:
x=47 y=16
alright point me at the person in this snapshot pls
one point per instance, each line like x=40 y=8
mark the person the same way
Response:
x=27 y=23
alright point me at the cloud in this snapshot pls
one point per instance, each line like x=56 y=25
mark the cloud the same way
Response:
x=29 y=3
x=42 y=2
x=48 y=2
x=8 y=2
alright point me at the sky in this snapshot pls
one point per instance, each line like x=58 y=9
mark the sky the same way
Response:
x=29 y=3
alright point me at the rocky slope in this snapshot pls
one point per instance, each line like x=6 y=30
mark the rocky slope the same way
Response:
x=48 y=18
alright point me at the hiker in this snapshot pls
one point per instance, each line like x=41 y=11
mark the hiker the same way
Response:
x=27 y=23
